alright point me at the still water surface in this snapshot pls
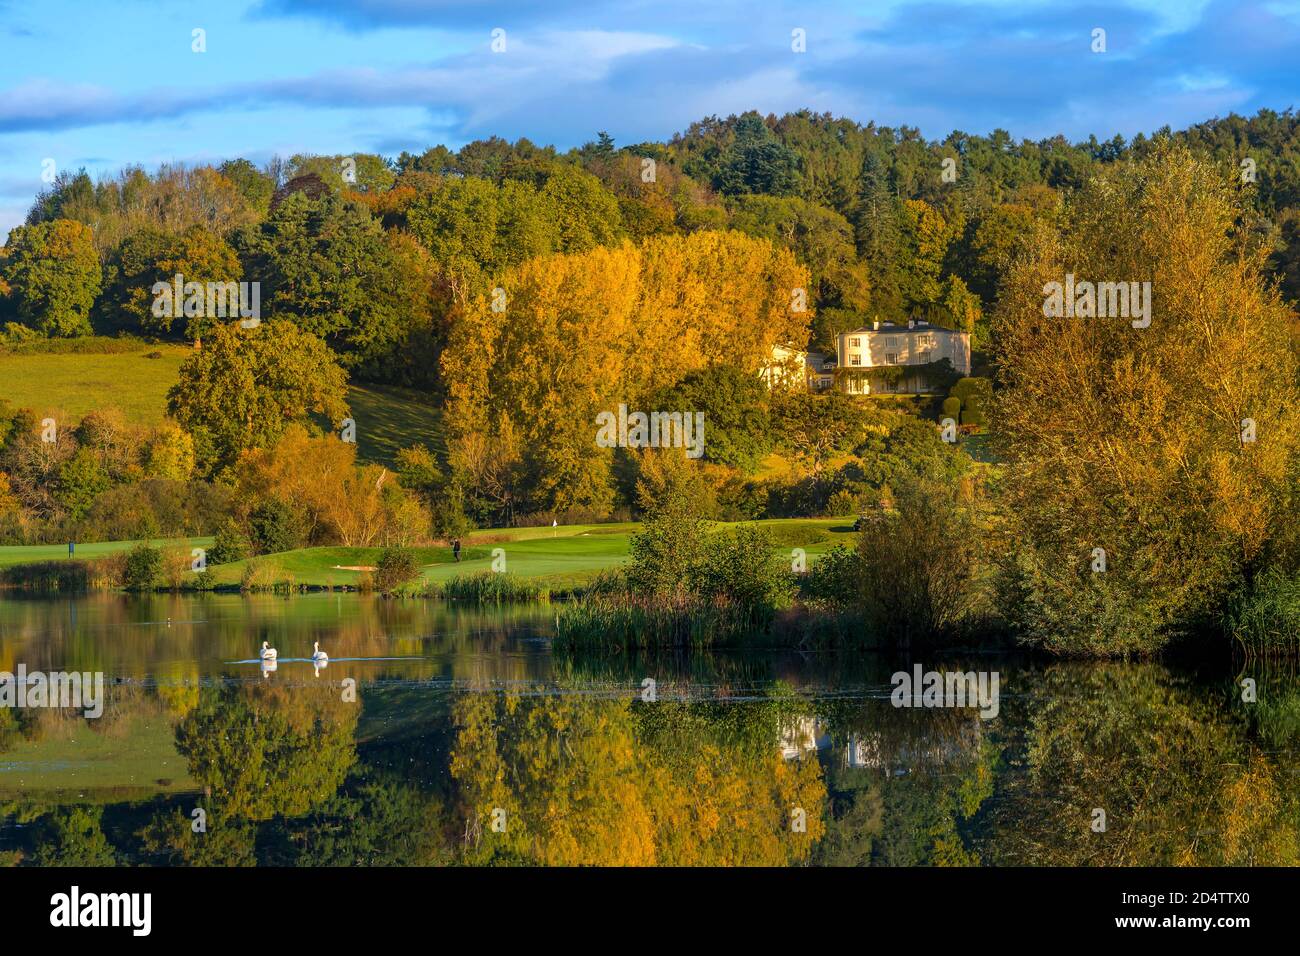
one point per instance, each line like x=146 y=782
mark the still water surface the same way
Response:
x=439 y=734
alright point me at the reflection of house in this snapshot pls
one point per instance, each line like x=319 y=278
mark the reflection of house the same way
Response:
x=863 y=751
x=800 y=735
x=899 y=359
x=868 y=751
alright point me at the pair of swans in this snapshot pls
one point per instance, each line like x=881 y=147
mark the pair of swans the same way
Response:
x=318 y=656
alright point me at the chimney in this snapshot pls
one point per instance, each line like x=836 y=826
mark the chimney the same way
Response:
x=911 y=323
x=875 y=326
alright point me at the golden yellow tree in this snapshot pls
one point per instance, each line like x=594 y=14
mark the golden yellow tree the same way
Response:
x=1151 y=453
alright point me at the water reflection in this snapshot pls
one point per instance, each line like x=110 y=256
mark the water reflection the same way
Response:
x=443 y=735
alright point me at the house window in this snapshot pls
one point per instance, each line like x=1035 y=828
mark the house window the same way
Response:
x=855 y=342
x=891 y=342
x=855 y=359
x=927 y=357
x=891 y=358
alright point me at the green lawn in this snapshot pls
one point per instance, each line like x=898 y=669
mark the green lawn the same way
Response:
x=29 y=554
x=567 y=555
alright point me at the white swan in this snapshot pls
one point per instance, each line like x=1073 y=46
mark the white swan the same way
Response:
x=318 y=655
x=269 y=653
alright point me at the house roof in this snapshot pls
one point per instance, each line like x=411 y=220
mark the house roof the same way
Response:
x=894 y=329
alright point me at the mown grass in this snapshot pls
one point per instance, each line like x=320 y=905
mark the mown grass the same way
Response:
x=566 y=557
x=11 y=556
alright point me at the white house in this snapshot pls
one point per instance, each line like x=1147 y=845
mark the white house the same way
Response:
x=795 y=368
x=885 y=345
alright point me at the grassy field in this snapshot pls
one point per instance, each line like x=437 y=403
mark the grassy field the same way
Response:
x=563 y=556
x=11 y=555
x=390 y=419
x=68 y=385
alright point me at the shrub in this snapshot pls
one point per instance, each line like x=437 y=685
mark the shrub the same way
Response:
x=396 y=566
x=968 y=388
x=738 y=566
x=951 y=407
x=260 y=575
x=275 y=527
x=841 y=503
x=920 y=564
x=231 y=544
x=834 y=579
x=665 y=548
x=143 y=564
x=177 y=568
x=973 y=413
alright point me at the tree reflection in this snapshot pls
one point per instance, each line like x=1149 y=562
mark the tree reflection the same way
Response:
x=1179 y=782
x=264 y=750
x=608 y=782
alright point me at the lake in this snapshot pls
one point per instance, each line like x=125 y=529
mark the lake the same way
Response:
x=441 y=734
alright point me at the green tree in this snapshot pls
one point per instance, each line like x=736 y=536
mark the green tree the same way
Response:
x=53 y=273
x=245 y=385
x=81 y=480
x=757 y=161
x=735 y=408
x=143 y=565
x=275 y=527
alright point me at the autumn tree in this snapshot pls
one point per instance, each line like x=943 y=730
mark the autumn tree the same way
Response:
x=245 y=385
x=1150 y=468
x=580 y=334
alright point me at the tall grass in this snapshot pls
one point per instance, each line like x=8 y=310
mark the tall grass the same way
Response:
x=1267 y=620
x=625 y=622
x=90 y=574
x=489 y=587
x=262 y=575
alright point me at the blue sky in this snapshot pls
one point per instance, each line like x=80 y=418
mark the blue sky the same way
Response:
x=103 y=84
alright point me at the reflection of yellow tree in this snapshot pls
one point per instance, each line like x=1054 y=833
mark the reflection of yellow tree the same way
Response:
x=267 y=750
x=1258 y=830
x=579 y=787
x=178 y=689
x=1178 y=782
x=713 y=810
